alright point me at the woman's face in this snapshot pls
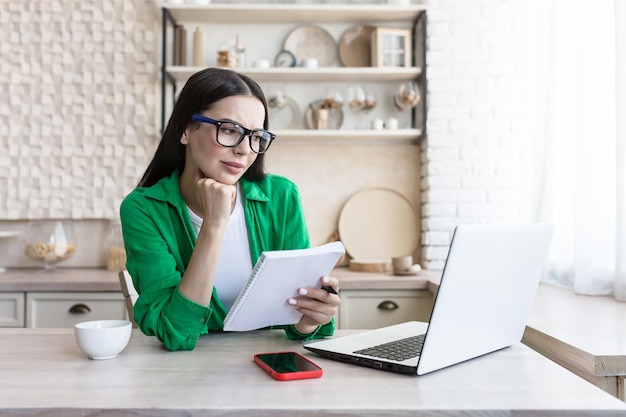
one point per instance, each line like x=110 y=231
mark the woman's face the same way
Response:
x=209 y=158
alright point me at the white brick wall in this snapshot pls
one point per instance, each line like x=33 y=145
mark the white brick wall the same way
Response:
x=471 y=157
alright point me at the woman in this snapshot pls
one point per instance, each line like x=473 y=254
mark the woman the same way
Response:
x=204 y=211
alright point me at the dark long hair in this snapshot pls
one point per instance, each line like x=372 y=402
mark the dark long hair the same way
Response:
x=200 y=93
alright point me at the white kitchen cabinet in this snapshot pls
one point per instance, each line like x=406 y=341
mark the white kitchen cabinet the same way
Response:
x=369 y=309
x=30 y=298
x=223 y=21
x=11 y=309
x=50 y=309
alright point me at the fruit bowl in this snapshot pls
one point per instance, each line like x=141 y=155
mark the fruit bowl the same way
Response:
x=49 y=242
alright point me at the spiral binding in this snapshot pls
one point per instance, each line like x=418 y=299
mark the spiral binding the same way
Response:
x=243 y=294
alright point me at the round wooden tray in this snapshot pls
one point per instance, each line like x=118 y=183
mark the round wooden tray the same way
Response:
x=378 y=224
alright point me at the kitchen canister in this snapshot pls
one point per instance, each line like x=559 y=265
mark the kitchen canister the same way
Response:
x=198 y=47
x=240 y=50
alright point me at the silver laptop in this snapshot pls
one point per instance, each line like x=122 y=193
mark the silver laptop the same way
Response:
x=484 y=299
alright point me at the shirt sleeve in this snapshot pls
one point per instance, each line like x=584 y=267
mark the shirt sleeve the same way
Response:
x=296 y=232
x=321 y=332
x=160 y=310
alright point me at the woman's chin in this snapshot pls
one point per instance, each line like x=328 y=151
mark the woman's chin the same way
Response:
x=228 y=179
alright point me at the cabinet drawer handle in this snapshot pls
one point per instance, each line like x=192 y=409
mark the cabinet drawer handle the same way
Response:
x=79 y=309
x=388 y=305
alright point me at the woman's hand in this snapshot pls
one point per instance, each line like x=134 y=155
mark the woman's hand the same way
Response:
x=318 y=305
x=216 y=199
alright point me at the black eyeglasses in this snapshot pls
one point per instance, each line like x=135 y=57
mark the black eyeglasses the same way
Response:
x=230 y=134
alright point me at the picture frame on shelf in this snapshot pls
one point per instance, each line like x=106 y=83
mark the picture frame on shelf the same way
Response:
x=391 y=48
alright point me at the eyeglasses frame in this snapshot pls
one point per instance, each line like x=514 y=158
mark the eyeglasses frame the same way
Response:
x=246 y=132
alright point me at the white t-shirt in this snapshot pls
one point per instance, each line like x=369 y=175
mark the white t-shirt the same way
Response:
x=234 y=266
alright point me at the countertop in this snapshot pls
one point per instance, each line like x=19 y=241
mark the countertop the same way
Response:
x=351 y=280
x=60 y=280
x=563 y=315
x=586 y=334
x=70 y=279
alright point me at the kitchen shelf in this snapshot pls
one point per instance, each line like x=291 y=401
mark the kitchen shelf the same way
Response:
x=292 y=13
x=399 y=136
x=182 y=73
x=244 y=14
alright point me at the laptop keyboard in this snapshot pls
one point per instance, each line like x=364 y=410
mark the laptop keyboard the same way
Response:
x=398 y=350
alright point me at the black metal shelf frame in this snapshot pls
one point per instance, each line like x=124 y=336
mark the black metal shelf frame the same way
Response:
x=420 y=27
x=167 y=18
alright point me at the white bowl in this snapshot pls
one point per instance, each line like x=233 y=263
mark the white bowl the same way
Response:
x=103 y=339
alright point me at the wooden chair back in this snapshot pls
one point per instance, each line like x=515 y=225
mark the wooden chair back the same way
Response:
x=129 y=292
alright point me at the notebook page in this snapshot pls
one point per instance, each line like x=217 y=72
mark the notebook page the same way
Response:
x=263 y=301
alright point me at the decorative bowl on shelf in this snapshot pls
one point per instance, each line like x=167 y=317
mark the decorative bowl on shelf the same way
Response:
x=406 y=96
x=49 y=241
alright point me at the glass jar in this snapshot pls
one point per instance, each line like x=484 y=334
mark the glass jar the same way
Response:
x=116 y=254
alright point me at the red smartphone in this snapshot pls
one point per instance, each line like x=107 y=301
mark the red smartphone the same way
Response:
x=286 y=366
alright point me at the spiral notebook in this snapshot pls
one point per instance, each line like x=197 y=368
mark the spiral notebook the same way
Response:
x=275 y=278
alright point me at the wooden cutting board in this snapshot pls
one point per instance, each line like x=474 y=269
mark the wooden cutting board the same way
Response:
x=378 y=224
x=366 y=265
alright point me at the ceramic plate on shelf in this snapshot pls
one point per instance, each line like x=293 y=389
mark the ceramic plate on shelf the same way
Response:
x=335 y=118
x=312 y=42
x=378 y=223
x=285 y=117
x=355 y=46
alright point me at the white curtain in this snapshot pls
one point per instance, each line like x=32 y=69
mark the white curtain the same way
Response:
x=574 y=92
x=620 y=92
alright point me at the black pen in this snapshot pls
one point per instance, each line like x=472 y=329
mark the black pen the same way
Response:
x=329 y=289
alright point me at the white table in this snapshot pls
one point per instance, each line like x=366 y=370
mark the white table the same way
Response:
x=44 y=373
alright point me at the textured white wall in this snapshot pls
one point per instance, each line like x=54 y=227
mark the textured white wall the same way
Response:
x=78 y=103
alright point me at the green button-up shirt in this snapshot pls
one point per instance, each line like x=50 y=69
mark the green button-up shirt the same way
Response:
x=159 y=240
